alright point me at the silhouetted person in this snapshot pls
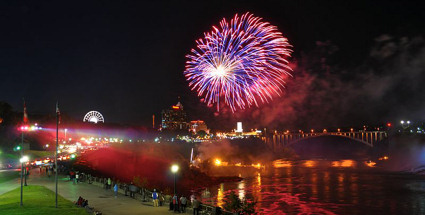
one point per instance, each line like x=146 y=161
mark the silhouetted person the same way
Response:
x=196 y=205
x=183 y=203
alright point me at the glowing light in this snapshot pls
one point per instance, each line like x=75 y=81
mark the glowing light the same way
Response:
x=239 y=127
x=217 y=162
x=258 y=165
x=242 y=62
x=174 y=168
x=370 y=163
x=281 y=163
x=310 y=163
x=94 y=117
x=344 y=163
x=24 y=159
x=384 y=158
x=347 y=163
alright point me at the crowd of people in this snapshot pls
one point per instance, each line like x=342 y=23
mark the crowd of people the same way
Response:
x=177 y=204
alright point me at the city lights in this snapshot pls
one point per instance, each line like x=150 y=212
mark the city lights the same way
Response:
x=34 y=127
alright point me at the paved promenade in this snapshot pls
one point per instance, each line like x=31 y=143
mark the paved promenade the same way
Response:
x=101 y=199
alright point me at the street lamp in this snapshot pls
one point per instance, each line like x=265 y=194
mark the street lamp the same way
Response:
x=24 y=160
x=174 y=169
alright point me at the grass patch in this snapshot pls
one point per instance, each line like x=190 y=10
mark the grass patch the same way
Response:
x=9 y=175
x=37 y=200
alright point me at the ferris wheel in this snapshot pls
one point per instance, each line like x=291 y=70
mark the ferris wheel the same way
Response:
x=94 y=117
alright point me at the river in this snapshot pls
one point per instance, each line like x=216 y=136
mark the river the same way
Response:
x=323 y=187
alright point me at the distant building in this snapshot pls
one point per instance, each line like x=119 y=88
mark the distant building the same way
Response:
x=174 y=118
x=239 y=128
x=198 y=125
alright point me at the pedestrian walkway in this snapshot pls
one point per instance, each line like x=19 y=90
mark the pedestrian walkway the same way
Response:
x=9 y=185
x=101 y=199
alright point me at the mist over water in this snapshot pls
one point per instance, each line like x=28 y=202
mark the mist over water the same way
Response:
x=333 y=177
x=322 y=189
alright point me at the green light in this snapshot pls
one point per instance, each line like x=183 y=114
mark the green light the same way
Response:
x=17 y=148
x=73 y=156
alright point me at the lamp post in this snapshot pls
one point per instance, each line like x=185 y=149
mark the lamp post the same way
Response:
x=174 y=169
x=22 y=164
x=23 y=160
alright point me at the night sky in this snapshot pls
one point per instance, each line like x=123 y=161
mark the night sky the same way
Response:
x=363 y=61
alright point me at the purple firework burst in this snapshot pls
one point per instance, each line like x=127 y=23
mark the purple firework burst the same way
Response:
x=241 y=63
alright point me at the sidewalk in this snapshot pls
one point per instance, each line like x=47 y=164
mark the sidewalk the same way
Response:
x=101 y=199
x=9 y=185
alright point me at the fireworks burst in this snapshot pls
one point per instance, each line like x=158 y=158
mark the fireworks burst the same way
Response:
x=242 y=62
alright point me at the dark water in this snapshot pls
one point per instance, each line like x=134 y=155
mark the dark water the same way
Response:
x=312 y=187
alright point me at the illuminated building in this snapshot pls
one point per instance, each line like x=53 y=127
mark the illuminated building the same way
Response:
x=198 y=125
x=239 y=128
x=174 y=118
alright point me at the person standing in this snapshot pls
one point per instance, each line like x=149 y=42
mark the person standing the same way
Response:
x=126 y=189
x=196 y=205
x=183 y=203
x=132 y=189
x=71 y=176
x=170 y=199
x=48 y=171
x=175 y=203
x=192 y=198
x=116 y=190
x=109 y=183
x=155 y=198
x=161 y=199
x=77 y=176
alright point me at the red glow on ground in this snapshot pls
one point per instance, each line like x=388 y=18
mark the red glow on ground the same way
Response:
x=149 y=162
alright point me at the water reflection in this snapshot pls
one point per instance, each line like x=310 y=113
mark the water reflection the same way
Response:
x=220 y=195
x=310 y=187
x=241 y=189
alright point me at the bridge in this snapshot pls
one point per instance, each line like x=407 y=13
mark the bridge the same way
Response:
x=368 y=138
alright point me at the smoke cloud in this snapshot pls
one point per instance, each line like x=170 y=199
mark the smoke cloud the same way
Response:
x=385 y=86
x=246 y=151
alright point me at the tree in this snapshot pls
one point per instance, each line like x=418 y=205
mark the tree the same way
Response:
x=6 y=112
x=236 y=205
